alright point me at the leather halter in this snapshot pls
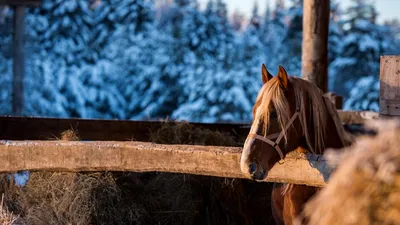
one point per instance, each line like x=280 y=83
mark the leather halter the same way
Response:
x=278 y=136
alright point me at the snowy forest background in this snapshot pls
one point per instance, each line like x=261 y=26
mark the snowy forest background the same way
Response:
x=141 y=59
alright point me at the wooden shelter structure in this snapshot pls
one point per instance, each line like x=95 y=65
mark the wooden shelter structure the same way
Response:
x=18 y=51
x=316 y=15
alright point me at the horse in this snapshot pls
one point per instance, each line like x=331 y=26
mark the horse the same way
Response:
x=290 y=114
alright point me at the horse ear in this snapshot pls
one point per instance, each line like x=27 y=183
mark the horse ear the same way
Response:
x=283 y=77
x=266 y=76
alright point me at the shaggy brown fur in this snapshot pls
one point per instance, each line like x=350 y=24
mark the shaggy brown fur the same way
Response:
x=365 y=188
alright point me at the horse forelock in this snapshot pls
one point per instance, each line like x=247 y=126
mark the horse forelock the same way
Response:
x=311 y=100
x=271 y=95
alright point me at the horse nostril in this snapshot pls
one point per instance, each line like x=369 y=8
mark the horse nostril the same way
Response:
x=259 y=175
x=252 y=168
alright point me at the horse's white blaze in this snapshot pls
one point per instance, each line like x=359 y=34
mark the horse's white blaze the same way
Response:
x=244 y=164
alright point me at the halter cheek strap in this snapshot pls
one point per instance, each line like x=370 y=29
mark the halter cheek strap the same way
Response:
x=278 y=136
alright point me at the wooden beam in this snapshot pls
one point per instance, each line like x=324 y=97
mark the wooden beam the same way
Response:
x=389 y=101
x=337 y=100
x=21 y=2
x=18 y=61
x=146 y=157
x=315 y=42
x=35 y=128
x=357 y=117
x=31 y=128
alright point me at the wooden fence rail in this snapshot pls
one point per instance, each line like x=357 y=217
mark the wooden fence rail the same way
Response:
x=145 y=157
x=31 y=128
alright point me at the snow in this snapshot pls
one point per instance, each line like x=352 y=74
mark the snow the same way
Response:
x=367 y=43
x=120 y=61
x=364 y=95
x=21 y=178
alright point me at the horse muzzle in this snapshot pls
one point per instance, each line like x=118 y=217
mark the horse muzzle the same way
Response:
x=257 y=172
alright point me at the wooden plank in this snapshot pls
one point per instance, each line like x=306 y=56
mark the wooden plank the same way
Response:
x=21 y=2
x=389 y=101
x=337 y=100
x=35 y=128
x=315 y=42
x=357 y=117
x=18 y=61
x=145 y=157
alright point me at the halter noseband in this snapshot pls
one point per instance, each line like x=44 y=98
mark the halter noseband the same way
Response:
x=279 y=136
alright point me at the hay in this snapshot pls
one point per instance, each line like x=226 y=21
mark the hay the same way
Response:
x=365 y=188
x=70 y=135
x=186 y=134
x=6 y=217
x=74 y=198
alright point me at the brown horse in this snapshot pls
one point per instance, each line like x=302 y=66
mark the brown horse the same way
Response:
x=289 y=114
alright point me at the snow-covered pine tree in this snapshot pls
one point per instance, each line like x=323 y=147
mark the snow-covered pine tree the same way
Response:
x=237 y=20
x=361 y=47
x=380 y=39
x=273 y=30
x=127 y=66
x=59 y=32
x=252 y=50
x=103 y=98
x=5 y=85
x=364 y=95
x=43 y=88
x=217 y=35
x=186 y=32
x=335 y=32
x=252 y=54
x=290 y=54
x=222 y=96
x=218 y=88
x=5 y=61
x=155 y=60
x=63 y=29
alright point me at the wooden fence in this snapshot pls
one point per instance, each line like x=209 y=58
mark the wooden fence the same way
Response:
x=111 y=145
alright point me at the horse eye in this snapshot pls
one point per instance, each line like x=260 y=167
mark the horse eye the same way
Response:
x=273 y=115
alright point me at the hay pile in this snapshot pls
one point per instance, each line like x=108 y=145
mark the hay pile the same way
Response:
x=141 y=198
x=365 y=188
x=186 y=134
x=71 y=198
x=6 y=217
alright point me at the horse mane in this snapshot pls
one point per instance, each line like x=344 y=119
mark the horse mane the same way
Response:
x=272 y=95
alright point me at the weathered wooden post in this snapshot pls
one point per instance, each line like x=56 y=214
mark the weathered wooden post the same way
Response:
x=315 y=42
x=389 y=101
x=18 y=51
x=337 y=100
